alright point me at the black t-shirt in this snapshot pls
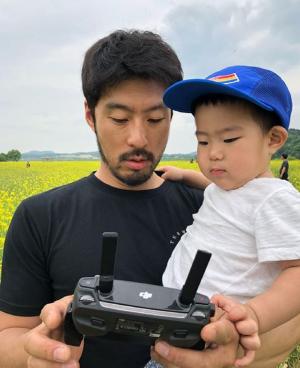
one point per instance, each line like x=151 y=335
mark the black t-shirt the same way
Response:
x=285 y=164
x=54 y=239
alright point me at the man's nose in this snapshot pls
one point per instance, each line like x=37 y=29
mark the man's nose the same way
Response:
x=137 y=136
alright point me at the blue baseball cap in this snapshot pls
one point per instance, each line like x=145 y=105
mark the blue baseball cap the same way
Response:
x=260 y=86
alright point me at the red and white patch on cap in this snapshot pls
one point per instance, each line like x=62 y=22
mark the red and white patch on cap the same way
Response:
x=226 y=79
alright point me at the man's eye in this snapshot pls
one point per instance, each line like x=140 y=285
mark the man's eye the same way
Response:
x=119 y=121
x=202 y=143
x=230 y=140
x=155 y=121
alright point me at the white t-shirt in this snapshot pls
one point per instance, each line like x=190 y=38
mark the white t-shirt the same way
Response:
x=247 y=230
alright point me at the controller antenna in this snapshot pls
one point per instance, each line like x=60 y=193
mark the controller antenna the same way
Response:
x=109 y=246
x=194 y=277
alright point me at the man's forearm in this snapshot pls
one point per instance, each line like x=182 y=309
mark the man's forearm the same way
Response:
x=12 y=353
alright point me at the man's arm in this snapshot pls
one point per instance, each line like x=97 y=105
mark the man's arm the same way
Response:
x=13 y=333
x=37 y=341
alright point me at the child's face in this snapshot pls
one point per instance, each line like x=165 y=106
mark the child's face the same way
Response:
x=232 y=148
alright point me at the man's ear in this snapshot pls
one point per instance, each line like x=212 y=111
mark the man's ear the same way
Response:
x=89 y=116
x=277 y=138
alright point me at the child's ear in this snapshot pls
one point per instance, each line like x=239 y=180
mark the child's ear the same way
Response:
x=277 y=137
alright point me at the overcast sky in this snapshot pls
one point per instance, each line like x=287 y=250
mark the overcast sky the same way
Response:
x=42 y=43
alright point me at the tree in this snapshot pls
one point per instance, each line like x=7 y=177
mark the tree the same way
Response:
x=13 y=155
x=3 y=157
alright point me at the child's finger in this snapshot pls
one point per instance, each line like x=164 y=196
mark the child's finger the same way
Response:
x=223 y=302
x=250 y=342
x=246 y=359
x=247 y=327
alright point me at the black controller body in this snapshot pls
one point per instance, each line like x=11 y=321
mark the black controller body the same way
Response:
x=143 y=313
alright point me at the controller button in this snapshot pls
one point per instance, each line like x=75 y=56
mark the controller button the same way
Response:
x=181 y=334
x=198 y=315
x=88 y=282
x=98 y=322
x=87 y=299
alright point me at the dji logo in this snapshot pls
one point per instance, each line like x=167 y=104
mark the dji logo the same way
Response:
x=145 y=295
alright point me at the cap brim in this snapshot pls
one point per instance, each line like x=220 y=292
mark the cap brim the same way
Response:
x=182 y=95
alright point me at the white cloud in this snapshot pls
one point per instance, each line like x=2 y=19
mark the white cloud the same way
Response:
x=43 y=43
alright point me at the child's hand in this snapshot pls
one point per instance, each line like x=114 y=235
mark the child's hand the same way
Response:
x=246 y=323
x=171 y=173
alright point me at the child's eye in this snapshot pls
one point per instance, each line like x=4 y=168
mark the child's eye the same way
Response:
x=230 y=140
x=202 y=143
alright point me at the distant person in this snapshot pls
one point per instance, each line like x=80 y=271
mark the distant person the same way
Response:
x=27 y=164
x=249 y=220
x=284 y=168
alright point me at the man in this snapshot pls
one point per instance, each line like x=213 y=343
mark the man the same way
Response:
x=284 y=168
x=54 y=237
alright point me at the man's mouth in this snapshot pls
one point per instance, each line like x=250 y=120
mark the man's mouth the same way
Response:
x=137 y=160
x=136 y=163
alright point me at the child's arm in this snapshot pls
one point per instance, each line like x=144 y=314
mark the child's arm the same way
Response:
x=279 y=304
x=190 y=177
x=281 y=301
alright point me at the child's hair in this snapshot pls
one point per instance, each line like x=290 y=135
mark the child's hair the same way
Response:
x=284 y=155
x=265 y=119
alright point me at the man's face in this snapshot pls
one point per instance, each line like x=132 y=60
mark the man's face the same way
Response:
x=132 y=128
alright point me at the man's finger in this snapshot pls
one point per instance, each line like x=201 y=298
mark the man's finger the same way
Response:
x=38 y=363
x=53 y=314
x=171 y=357
x=39 y=345
x=219 y=332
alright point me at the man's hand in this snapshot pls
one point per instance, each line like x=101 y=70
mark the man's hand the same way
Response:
x=246 y=323
x=222 y=340
x=44 y=344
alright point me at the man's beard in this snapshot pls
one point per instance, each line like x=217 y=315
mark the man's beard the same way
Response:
x=136 y=177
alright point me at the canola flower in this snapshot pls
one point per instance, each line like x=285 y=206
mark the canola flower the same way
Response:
x=18 y=182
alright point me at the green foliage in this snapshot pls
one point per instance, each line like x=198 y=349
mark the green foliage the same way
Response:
x=13 y=155
x=3 y=157
x=292 y=145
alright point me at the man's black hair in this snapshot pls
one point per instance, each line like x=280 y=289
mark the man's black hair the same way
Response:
x=125 y=55
x=285 y=155
x=265 y=119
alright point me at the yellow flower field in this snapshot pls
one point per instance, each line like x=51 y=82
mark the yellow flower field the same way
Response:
x=18 y=182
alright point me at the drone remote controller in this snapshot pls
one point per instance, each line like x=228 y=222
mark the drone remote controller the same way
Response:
x=143 y=312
